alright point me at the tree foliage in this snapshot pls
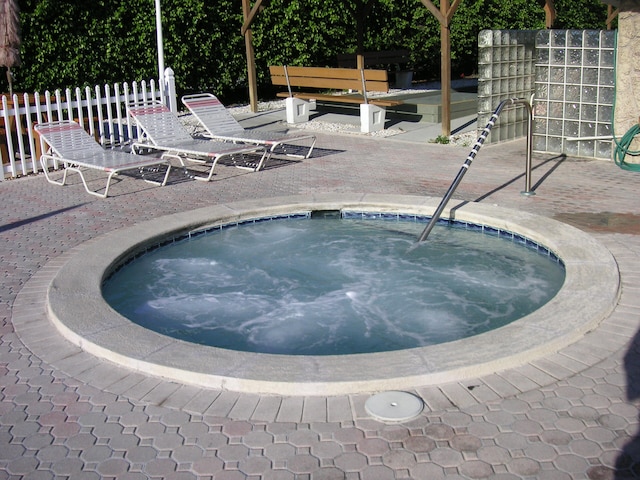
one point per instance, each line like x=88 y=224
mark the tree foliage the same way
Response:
x=68 y=43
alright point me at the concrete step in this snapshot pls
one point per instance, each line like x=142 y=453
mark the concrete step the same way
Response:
x=428 y=106
x=417 y=107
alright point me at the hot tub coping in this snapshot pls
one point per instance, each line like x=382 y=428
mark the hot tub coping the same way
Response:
x=76 y=307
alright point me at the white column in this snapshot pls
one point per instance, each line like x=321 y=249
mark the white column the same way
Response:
x=160 y=44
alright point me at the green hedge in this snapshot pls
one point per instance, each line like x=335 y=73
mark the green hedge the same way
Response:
x=68 y=43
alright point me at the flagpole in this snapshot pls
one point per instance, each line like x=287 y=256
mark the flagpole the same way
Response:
x=160 y=45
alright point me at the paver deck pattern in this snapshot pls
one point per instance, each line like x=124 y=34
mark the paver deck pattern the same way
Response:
x=571 y=415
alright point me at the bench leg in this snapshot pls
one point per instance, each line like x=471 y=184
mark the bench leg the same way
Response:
x=297 y=110
x=371 y=118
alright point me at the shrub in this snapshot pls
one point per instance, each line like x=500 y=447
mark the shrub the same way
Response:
x=69 y=43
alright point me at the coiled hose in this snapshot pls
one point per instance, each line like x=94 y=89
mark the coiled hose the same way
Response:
x=622 y=146
x=622 y=149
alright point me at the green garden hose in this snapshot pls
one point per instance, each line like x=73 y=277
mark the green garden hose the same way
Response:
x=622 y=149
x=622 y=146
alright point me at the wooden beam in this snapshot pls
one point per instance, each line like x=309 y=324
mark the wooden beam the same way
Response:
x=251 y=60
x=442 y=19
x=250 y=16
x=452 y=10
x=611 y=15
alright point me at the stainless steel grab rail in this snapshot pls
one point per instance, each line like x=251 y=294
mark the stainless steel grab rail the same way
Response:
x=474 y=152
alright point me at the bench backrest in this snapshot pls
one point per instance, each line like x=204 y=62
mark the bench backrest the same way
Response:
x=371 y=59
x=330 y=78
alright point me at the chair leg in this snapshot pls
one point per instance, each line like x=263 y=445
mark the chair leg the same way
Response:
x=213 y=165
x=166 y=175
x=86 y=187
x=266 y=155
x=154 y=182
x=67 y=168
x=177 y=157
x=313 y=144
x=45 y=170
x=282 y=145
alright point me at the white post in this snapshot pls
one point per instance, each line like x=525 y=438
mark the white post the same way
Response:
x=297 y=110
x=372 y=117
x=160 y=44
x=170 y=89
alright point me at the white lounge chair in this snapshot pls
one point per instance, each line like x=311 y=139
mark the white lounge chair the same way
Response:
x=221 y=125
x=163 y=131
x=71 y=145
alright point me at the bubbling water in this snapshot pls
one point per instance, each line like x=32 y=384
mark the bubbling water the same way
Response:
x=332 y=287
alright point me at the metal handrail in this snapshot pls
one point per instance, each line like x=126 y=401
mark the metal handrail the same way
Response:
x=474 y=152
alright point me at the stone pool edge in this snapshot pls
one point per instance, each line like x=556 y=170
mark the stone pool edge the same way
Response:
x=590 y=293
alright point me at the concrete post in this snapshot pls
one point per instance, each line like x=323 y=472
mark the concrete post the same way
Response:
x=371 y=118
x=297 y=110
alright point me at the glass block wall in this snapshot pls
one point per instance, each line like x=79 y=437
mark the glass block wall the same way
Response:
x=506 y=69
x=574 y=92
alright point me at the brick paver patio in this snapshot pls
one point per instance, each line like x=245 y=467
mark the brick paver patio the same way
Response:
x=572 y=415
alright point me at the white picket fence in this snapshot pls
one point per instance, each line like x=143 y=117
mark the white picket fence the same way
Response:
x=102 y=111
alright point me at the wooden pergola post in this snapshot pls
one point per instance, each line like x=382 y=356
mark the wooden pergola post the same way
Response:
x=612 y=13
x=249 y=15
x=444 y=15
x=549 y=13
x=445 y=68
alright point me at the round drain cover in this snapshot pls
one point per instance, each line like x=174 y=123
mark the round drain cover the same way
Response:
x=393 y=406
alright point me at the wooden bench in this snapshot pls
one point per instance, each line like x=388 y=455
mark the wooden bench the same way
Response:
x=372 y=110
x=386 y=58
x=394 y=61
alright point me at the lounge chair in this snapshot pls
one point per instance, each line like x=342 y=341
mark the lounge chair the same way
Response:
x=71 y=145
x=163 y=131
x=220 y=125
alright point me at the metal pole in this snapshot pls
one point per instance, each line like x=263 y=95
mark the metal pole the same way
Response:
x=160 y=45
x=444 y=201
x=527 y=176
x=464 y=168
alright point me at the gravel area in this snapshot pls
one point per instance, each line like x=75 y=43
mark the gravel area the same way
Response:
x=315 y=124
x=464 y=139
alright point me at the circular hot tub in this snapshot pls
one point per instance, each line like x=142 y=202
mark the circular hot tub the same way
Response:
x=78 y=309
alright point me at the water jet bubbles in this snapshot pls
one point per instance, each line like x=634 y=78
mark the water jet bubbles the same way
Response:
x=328 y=286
